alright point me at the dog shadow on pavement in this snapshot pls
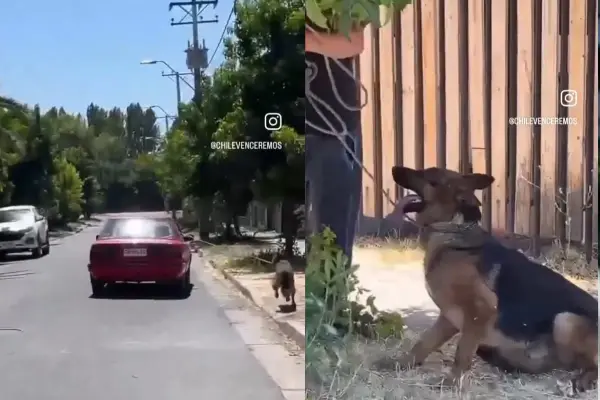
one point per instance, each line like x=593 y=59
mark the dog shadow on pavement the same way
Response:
x=287 y=308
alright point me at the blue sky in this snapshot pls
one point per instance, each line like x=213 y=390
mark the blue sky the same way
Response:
x=72 y=52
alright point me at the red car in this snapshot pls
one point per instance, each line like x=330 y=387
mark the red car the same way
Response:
x=140 y=250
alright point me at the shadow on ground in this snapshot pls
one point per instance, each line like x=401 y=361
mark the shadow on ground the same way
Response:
x=418 y=319
x=8 y=275
x=143 y=291
x=287 y=309
x=13 y=258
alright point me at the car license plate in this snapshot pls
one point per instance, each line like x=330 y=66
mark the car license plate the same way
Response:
x=135 y=252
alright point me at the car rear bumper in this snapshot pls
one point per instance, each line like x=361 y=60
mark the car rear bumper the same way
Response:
x=25 y=244
x=112 y=274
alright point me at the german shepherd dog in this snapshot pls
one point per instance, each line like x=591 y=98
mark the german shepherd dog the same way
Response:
x=283 y=281
x=514 y=313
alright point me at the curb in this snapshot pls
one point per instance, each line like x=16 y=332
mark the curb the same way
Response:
x=71 y=233
x=285 y=327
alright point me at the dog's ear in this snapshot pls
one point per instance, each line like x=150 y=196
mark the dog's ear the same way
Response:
x=409 y=178
x=477 y=181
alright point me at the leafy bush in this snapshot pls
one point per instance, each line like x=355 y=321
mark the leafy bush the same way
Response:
x=331 y=314
x=68 y=192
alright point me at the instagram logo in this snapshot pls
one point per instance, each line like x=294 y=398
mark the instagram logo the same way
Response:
x=568 y=98
x=273 y=121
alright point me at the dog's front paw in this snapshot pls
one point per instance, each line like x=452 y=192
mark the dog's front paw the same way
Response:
x=587 y=380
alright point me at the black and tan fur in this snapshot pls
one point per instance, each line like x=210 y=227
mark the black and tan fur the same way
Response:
x=283 y=281
x=512 y=312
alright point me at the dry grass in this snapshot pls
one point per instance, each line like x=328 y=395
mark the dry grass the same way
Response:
x=358 y=376
x=390 y=251
x=567 y=260
x=571 y=262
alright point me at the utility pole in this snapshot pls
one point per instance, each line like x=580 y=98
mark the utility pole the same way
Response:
x=177 y=76
x=197 y=57
x=166 y=117
x=197 y=61
x=174 y=73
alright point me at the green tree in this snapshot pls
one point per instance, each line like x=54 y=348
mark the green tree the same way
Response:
x=174 y=166
x=102 y=146
x=67 y=191
x=263 y=72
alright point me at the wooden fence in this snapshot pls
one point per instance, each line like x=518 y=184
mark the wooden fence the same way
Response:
x=443 y=80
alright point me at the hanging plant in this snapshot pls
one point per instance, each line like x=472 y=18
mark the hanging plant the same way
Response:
x=346 y=16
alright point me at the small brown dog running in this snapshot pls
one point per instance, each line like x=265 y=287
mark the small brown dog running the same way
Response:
x=283 y=281
x=512 y=312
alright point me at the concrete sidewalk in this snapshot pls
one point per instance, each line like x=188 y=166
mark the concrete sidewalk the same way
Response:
x=257 y=288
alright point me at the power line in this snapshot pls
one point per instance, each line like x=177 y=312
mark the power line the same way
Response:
x=222 y=36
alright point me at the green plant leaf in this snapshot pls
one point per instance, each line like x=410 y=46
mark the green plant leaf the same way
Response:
x=314 y=13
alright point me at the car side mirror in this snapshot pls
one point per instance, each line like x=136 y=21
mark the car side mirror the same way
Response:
x=188 y=238
x=39 y=218
x=97 y=236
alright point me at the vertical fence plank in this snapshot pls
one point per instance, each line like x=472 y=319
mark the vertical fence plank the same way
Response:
x=429 y=56
x=536 y=141
x=366 y=78
x=486 y=220
x=499 y=112
x=560 y=225
x=595 y=215
x=452 y=85
x=511 y=133
x=377 y=138
x=591 y=125
x=408 y=85
x=398 y=116
x=464 y=138
x=524 y=102
x=476 y=87
x=419 y=123
x=550 y=43
x=575 y=148
x=388 y=138
x=440 y=40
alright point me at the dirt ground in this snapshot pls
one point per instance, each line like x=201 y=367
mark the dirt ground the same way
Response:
x=396 y=280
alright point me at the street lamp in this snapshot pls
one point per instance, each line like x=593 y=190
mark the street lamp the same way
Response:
x=174 y=72
x=166 y=116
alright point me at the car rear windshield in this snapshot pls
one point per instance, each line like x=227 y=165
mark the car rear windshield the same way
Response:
x=138 y=229
x=14 y=215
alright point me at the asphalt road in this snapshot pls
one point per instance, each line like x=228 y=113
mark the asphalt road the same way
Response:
x=139 y=344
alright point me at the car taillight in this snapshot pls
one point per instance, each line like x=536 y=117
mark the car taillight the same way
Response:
x=167 y=251
x=102 y=253
x=175 y=252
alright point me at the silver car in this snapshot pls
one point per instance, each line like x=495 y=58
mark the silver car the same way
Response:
x=23 y=229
